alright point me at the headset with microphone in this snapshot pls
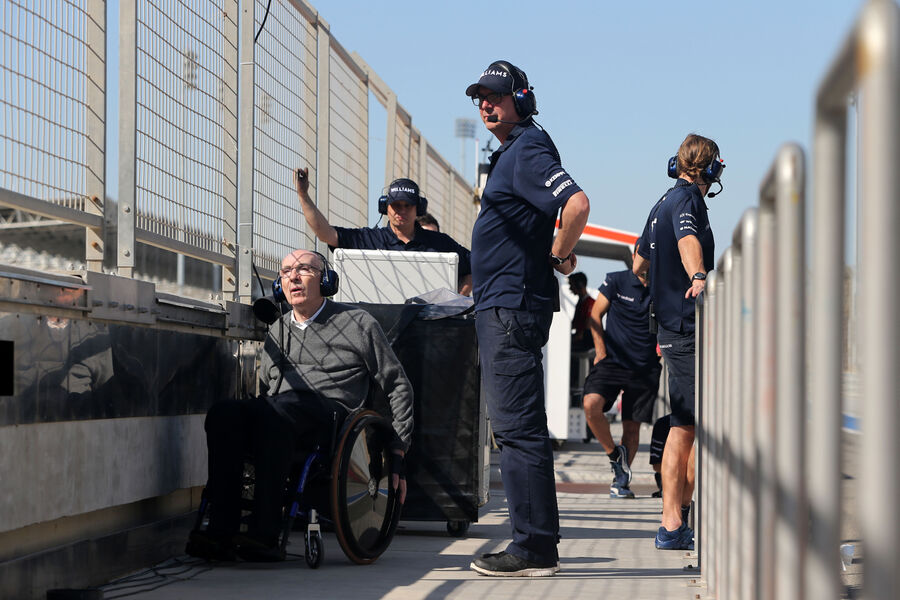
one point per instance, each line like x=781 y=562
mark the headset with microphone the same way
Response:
x=710 y=175
x=406 y=187
x=523 y=97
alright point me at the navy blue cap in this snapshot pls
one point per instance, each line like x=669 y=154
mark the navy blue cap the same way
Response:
x=498 y=77
x=404 y=190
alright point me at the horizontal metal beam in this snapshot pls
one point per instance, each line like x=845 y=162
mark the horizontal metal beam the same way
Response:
x=49 y=209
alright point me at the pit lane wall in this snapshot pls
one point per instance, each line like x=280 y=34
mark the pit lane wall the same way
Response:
x=102 y=448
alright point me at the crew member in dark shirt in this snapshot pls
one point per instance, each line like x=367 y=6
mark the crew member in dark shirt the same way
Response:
x=626 y=362
x=677 y=248
x=402 y=203
x=516 y=292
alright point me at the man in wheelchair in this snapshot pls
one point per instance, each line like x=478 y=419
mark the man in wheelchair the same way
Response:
x=319 y=361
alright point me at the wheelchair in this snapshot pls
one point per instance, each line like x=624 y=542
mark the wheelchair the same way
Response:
x=346 y=486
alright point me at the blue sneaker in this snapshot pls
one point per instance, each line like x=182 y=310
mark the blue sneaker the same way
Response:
x=617 y=491
x=621 y=470
x=680 y=539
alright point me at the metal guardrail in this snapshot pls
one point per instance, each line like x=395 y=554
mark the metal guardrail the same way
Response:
x=770 y=365
x=218 y=102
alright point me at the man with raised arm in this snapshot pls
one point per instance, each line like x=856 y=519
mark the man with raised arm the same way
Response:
x=401 y=203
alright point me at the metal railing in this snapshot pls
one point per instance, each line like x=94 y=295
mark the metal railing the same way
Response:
x=771 y=356
x=218 y=102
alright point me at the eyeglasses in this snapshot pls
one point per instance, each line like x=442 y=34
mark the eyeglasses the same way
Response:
x=493 y=98
x=300 y=269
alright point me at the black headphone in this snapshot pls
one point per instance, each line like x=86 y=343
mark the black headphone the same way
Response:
x=405 y=185
x=711 y=174
x=523 y=97
x=328 y=285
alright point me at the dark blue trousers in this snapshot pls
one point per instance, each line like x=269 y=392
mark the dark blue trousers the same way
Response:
x=509 y=344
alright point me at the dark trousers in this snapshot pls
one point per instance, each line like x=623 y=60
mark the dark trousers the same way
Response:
x=509 y=345
x=268 y=431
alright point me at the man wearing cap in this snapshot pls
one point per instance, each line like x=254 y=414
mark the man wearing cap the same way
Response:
x=402 y=233
x=514 y=254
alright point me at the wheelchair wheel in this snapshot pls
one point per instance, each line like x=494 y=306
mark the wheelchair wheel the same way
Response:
x=365 y=507
x=315 y=550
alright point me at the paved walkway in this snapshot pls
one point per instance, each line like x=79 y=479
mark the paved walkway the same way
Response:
x=606 y=552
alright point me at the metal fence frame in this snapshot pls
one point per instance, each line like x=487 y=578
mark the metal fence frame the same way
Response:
x=239 y=177
x=48 y=189
x=869 y=62
x=769 y=426
x=752 y=534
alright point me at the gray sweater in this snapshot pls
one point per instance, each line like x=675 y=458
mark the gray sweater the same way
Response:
x=337 y=357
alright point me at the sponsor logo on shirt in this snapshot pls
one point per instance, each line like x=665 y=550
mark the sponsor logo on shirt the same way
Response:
x=624 y=297
x=553 y=178
x=562 y=186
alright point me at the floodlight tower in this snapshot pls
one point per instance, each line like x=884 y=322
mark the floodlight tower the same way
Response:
x=465 y=130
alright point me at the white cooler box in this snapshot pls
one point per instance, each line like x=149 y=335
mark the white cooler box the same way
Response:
x=390 y=276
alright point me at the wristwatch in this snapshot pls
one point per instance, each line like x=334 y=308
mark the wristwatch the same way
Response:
x=554 y=259
x=699 y=277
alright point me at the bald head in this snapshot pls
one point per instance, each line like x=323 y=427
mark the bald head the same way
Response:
x=303 y=257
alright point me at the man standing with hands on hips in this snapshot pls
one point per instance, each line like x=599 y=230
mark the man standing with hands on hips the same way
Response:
x=514 y=254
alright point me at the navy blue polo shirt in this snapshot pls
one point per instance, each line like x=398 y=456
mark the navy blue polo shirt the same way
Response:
x=681 y=212
x=513 y=233
x=384 y=238
x=629 y=342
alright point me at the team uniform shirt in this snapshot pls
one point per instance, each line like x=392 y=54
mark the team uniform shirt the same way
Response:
x=384 y=238
x=629 y=343
x=513 y=234
x=681 y=212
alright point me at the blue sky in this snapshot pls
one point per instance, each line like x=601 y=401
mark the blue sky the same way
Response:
x=619 y=84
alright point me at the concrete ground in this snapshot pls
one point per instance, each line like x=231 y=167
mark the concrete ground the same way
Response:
x=606 y=552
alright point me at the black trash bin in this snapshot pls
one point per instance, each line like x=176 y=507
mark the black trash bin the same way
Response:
x=448 y=462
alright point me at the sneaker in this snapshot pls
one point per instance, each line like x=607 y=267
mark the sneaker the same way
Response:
x=253 y=549
x=504 y=564
x=617 y=491
x=621 y=470
x=680 y=539
x=209 y=546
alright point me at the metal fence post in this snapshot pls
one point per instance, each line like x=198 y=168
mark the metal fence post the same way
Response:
x=704 y=362
x=879 y=286
x=721 y=514
x=246 y=141
x=323 y=120
x=784 y=185
x=732 y=442
x=95 y=124
x=127 y=135
x=747 y=452
x=764 y=444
